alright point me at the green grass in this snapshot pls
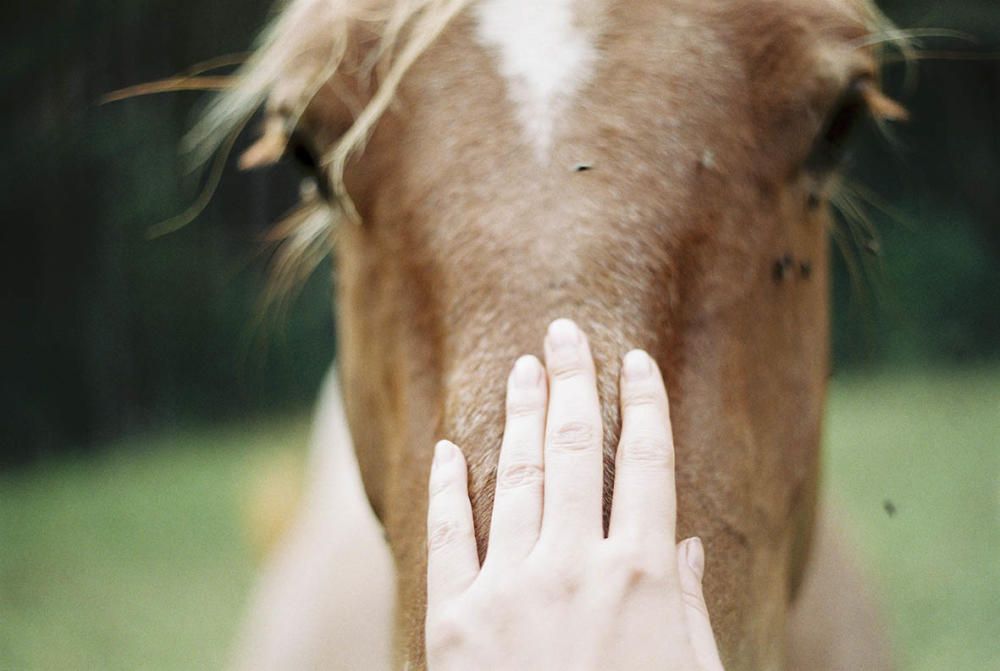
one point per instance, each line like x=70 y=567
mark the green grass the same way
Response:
x=138 y=559
x=929 y=444
x=135 y=560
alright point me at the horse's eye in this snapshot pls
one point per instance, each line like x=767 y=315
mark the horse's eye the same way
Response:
x=833 y=143
x=303 y=155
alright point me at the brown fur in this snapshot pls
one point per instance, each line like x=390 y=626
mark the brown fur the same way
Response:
x=696 y=125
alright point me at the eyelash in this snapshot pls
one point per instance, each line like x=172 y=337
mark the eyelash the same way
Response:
x=830 y=148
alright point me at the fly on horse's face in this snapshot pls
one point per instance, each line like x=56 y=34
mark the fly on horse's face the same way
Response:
x=657 y=171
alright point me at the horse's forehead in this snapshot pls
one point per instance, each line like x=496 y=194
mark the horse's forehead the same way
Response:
x=546 y=53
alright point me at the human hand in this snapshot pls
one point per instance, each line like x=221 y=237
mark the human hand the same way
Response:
x=553 y=592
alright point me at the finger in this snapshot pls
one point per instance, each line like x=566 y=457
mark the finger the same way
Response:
x=573 y=438
x=452 y=561
x=644 y=503
x=691 y=568
x=517 y=505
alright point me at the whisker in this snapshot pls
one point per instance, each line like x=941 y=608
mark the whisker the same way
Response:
x=865 y=238
x=169 y=85
x=871 y=198
x=175 y=224
x=224 y=61
x=849 y=255
x=903 y=36
x=924 y=55
x=187 y=80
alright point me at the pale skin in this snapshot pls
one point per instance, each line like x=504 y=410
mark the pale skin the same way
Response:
x=553 y=591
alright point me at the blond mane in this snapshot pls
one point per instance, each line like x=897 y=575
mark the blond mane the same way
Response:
x=304 y=48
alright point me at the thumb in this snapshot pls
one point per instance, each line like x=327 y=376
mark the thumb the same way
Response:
x=691 y=568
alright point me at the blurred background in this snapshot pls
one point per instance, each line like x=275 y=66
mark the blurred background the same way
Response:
x=145 y=399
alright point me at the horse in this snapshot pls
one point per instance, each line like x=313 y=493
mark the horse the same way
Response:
x=657 y=170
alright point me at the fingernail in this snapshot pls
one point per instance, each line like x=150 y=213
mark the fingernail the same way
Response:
x=527 y=372
x=564 y=334
x=444 y=452
x=695 y=556
x=638 y=366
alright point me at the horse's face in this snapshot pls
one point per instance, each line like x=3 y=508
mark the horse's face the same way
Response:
x=656 y=171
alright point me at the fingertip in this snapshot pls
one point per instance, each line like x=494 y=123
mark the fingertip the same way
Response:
x=637 y=366
x=445 y=452
x=691 y=567
x=565 y=343
x=527 y=372
x=447 y=456
x=640 y=368
x=564 y=333
x=694 y=557
x=640 y=373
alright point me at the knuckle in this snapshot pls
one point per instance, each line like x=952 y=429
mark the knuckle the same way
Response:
x=644 y=395
x=635 y=566
x=572 y=437
x=524 y=405
x=569 y=585
x=563 y=582
x=442 y=534
x=520 y=475
x=647 y=449
x=567 y=369
x=643 y=573
x=635 y=575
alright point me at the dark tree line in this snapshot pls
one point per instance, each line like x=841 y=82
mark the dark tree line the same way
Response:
x=105 y=332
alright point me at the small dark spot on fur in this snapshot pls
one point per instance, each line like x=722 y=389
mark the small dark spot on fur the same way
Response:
x=783 y=267
x=806 y=270
x=779 y=272
x=582 y=167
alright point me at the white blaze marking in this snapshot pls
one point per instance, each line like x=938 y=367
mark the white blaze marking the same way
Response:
x=545 y=56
